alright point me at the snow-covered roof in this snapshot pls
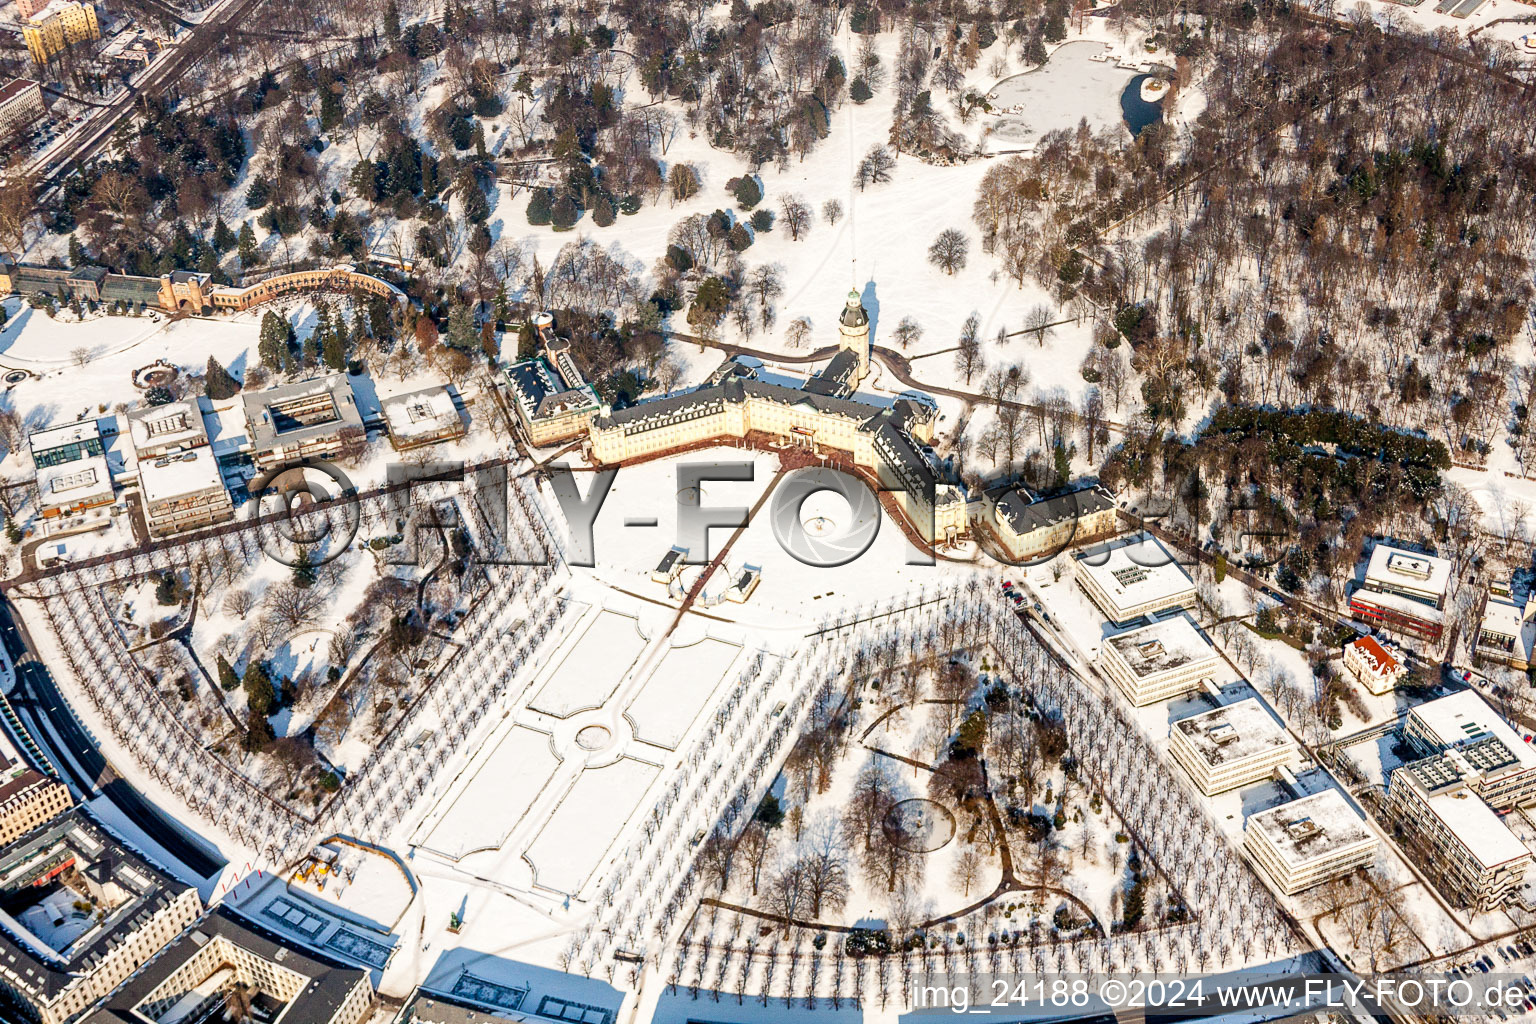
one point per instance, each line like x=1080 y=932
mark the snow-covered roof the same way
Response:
x=1465 y=717
x=428 y=411
x=1479 y=829
x=1504 y=617
x=1410 y=570
x=1378 y=658
x=166 y=426
x=1312 y=828
x=1137 y=572
x=1169 y=644
x=267 y=413
x=50 y=438
x=1232 y=733
x=179 y=473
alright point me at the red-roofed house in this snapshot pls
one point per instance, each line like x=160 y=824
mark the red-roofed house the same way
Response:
x=1375 y=665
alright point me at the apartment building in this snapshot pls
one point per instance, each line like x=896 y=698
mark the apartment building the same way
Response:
x=1309 y=841
x=21 y=106
x=1231 y=747
x=226 y=957
x=58 y=26
x=1403 y=591
x=1160 y=661
x=28 y=797
x=1374 y=665
x=81 y=913
x=310 y=419
x=1134 y=578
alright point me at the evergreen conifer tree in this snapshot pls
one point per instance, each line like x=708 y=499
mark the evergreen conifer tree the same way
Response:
x=217 y=382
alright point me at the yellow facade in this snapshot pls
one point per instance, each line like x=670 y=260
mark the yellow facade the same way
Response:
x=59 y=26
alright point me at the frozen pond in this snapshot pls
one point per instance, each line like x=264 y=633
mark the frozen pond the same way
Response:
x=1069 y=87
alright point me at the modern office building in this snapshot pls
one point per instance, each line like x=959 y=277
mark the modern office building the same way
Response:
x=1134 y=578
x=79 y=913
x=1481 y=748
x=72 y=471
x=1377 y=667
x=1469 y=852
x=224 y=963
x=1309 y=841
x=1159 y=661
x=422 y=417
x=1506 y=632
x=179 y=478
x=310 y=419
x=1404 y=591
x=1233 y=746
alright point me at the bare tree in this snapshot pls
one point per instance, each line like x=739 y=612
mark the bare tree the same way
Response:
x=832 y=212
x=948 y=251
x=239 y=602
x=798 y=332
x=908 y=333
x=967 y=869
x=797 y=216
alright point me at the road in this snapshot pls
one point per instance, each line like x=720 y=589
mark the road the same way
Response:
x=36 y=696
x=90 y=138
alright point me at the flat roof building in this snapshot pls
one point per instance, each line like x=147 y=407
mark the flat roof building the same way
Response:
x=1403 y=591
x=224 y=953
x=179 y=477
x=1159 y=661
x=1309 y=841
x=183 y=492
x=1489 y=755
x=72 y=471
x=1231 y=747
x=422 y=417
x=1506 y=633
x=309 y=419
x=1376 y=667
x=162 y=429
x=79 y=913
x=1133 y=579
x=1469 y=852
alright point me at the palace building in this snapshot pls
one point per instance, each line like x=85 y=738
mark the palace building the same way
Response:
x=887 y=442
